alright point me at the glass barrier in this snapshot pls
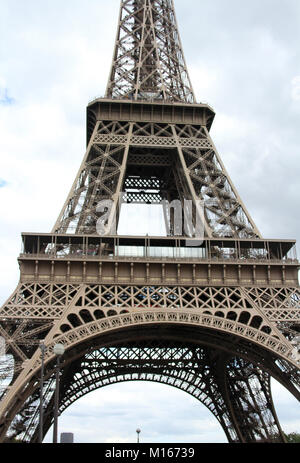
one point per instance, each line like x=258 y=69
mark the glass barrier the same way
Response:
x=110 y=248
x=160 y=252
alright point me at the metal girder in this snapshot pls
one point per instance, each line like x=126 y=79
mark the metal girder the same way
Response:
x=148 y=60
x=216 y=324
x=234 y=389
x=183 y=150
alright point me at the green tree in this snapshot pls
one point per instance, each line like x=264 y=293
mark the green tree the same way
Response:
x=293 y=438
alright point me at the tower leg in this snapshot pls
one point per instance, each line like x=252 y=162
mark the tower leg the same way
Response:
x=248 y=396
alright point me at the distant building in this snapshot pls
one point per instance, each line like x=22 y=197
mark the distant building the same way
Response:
x=67 y=438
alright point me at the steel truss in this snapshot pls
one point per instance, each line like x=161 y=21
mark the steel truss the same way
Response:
x=216 y=321
x=242 y=329
x=207 y=365
x=149 y=163
x=148 y=60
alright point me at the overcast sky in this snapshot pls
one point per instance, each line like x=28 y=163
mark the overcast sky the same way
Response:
x=244 y=60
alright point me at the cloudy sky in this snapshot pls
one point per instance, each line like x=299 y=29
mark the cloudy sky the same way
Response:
x=244 y=60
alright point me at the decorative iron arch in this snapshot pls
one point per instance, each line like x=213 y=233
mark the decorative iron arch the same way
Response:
x=252 y=345
x=273 y=341
x=157 y=370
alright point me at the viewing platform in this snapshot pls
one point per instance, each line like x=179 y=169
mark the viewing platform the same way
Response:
x=76 y=247
x=153 y=260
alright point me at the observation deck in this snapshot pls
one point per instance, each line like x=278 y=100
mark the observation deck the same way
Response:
x=159 y=111
x=150 y=260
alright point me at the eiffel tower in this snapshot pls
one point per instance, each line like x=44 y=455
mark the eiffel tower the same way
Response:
x=216 y=317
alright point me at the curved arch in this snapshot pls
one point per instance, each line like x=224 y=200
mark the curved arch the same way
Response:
x=224 y=420
x=256 y=321
x=151 y=318
x=244 y=318
x=280 y=347
x=231 y=315
x=228 y=431
x=98 y=369
x=204 y=385
x=152 y=370
x=99 y=314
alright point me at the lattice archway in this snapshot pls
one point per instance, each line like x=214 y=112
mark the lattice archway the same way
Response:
x=270 y=339
x=229 y=354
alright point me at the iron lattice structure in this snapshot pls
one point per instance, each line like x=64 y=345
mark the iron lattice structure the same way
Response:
x=216 y=319
x=148 y=61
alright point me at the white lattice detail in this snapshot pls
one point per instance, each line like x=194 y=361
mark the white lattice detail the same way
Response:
x=45 y=301
x=48 y=301
x=195 y=143
x=152 y=141
x=283 y=315
x=111 y=139
x=282 y=300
